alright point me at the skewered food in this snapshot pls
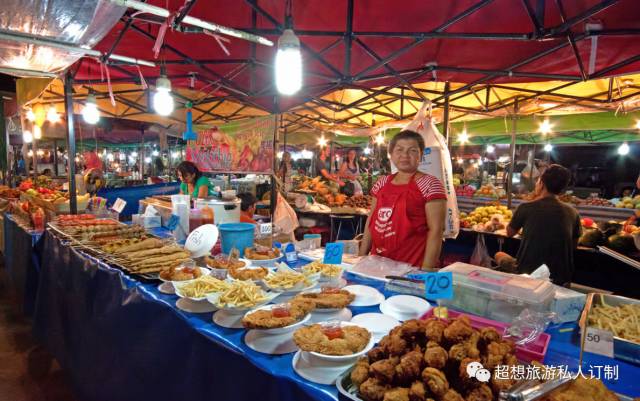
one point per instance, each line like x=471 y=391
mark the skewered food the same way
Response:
x=332 y=339
x=277 y=316
x=139 y=246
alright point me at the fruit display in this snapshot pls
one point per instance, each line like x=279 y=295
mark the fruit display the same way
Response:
x=591 y=201
x=465 y=190
x=629 y=202
x=9 y=193
x=489 y=191
x=326 y=193
x=487 y=218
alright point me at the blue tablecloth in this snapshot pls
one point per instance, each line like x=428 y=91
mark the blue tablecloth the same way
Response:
x=22 y=249
x=120 y=339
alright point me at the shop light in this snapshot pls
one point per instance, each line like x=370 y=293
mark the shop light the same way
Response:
x=90 y=113
x=280 y=154
x=30 y=153
x=31 y=116
x=40 y=113
x=623 y=149
x=77 y=159
x=155 y=153
x=548 y=147
x=463 y=137
x=367 y=150
x=288 y=63
x=134 y=154
x=306 y=154
x=545 y=127
x=322 y=142
x=27 y=136
x=175 y=155
x=37 y=132
x=162 y=100
x=380 y=139
x=132 y=160
x=122 y=156
x=40 y=152
x=147 y=160
x=637 y=124
x=52 y=115
x=480 y=162
x=110 y=157
x=460 y=160
x=491 y=148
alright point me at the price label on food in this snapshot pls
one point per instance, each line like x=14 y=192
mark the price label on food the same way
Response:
x=119 y=205
x=333 y=253
x=436 y=285
x=598 y=341
x=265 y=229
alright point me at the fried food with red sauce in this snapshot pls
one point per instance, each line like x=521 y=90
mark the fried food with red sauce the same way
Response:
x=329 y=300
x=294 y=312
x=314 y=339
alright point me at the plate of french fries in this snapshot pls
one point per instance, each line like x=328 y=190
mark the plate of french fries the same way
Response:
x=286 y=280
x=241 y=296
x=200 y=288
x=328 y=272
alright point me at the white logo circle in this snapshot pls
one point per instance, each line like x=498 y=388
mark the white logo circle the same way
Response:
x=384 y=214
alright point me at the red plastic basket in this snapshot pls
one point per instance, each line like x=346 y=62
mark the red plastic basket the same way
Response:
x=534 y=351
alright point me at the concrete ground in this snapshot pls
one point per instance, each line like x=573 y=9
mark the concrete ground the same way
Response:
x=27 y=371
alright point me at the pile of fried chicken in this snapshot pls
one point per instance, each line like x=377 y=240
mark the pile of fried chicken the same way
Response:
x=426 y=360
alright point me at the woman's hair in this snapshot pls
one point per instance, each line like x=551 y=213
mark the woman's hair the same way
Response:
x=246 y=201
x=556 y=178
x=355 y=159
x=189 y=168
x=406 y=135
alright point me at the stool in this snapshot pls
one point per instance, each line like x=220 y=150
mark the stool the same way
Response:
x=342 y=219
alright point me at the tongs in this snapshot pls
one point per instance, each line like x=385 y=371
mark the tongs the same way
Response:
x=532 y=390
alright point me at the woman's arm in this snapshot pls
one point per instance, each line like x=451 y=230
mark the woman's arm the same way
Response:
x=203 y=191
x=436 y=212
x=365 y=246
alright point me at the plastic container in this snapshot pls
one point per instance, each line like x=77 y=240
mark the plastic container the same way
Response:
x=195 y=219
x=495 y=295
x=534 y=351
x=236 y=235
x=314 y=240
x=207 y=215
x=223 y=211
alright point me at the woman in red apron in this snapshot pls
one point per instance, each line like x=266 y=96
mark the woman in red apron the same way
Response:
x=409 y=209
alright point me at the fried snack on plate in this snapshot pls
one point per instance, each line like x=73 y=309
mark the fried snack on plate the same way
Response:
x=326 y=270
x=261 y=253
x=277 y=316
x=241 y=295
x=329 y=298
x=200 y=287
x=222 y=262
x=622 y=320
x=181 y=273
x=287 y=280
x=249 y=273
x=332 y=339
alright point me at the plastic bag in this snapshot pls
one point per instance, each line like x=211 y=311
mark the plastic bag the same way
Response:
x=436 y=161
x=527 y=327
x=284 y=217
x=480 y=255
x=378 y=267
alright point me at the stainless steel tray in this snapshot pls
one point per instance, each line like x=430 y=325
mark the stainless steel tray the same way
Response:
x=623 y=349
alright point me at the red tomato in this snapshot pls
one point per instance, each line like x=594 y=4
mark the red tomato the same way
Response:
x=333 y=332
x=280 y=312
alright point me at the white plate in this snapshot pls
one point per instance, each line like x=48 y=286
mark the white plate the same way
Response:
x=344 y=358
x=204 y=270
x=279 y=330
x=377 y=323
x=201 y=240
x=365 y=295
x=343 y=314
x=229 y=320
x=404 y=307
x=317 y=370
x=190 y=306
x=278 y=344
x=264 y=262
x=166 y=288
x=213 y=299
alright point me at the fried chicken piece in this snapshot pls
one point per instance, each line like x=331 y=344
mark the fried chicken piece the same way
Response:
x=431 y=344
x=582 y=389
x=409 y=368
x=458 y=352
x=312 y=338
x=496 y=353
x=264 y=319
x=462 y=369
x=417 y=391
x=435 y=380
x=376 y=353
x=435 y=357
x=480 y=393
x=328 y=300
x=489 y=335
x=458 y=331
x=498 y=385
x=434 y=330
x=395 y=345
x=397 y=394
x=472 y=345
x=451 y=395
x=373 y=390
x=413 y=330
x=384 y=370
x=360 y=372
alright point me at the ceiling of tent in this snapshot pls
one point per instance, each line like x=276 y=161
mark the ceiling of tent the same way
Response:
x=374 y=62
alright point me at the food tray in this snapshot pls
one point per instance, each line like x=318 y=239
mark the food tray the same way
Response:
x=623 y=349
x=534 y=351
x=61 y=231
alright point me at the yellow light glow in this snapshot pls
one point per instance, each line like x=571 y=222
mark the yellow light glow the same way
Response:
x=37 y=132
x=638 y=124
x=322 y=141
x=545 y=127
x=30 y=115
x=463 y=137
x=52 y=114
x=380 y=139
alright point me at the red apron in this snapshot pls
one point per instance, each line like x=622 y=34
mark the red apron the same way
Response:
x=398 y=224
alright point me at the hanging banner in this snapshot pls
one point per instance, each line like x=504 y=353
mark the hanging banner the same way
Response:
x=240 y=147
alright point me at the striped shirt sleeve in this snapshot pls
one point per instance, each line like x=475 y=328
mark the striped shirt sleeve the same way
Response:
x=431 y=188
x=382 y=181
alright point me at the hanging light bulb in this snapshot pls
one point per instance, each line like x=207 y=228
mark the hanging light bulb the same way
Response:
x=548 y=147
x=279 y=155
x=52 y=115
x=110 y=157
x=162 y=100
x=380 y=139
x=638 y=124
x=77 y=159
x=134 y=154
x=31 y=116
x=367 y=150
x=37 y=132
x=623 y=150
x=90 y=113
x=545 y=127
x=288 y=63
x=491 y=148
x=40 y=115
x=322 y=142
x=40 y=152
x=27 y=136
x=30 y=153
x=463 y=137
x=147 y=160
x=175 y=155
x=155 y=153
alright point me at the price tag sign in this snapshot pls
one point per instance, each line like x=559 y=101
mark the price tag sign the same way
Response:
x=265 y=229
x=172 y=224
x=436 y=285
x=333 y=253
x=599 y=342
x=119 y=205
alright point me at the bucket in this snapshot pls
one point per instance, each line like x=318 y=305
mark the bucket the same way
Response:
x=236 y=235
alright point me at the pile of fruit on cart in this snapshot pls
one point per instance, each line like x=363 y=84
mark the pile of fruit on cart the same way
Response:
x=487 y=218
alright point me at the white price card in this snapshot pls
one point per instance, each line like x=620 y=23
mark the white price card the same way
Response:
x=119 y=205
x=265 y=229
x=599 y=342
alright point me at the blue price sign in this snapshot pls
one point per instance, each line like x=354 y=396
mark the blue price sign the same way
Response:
x=436 y=285
x=333 y=253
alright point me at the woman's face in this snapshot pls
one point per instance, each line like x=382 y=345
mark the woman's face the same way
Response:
x=351 y=156
x=286 y=157
x=406 y=155
x=187 y=178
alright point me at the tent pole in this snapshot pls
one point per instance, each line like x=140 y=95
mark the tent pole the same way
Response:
x=71 y=141
x=445 y=119
x=272 y=203
x=512 y=152
x=55 y=158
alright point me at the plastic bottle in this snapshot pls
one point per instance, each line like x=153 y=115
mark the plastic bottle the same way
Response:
x=207 y=215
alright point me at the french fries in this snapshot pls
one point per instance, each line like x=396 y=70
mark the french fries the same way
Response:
x=202 y=286
x=242 y=294
x=623 y=320
x=285 y=280
x=322 y=268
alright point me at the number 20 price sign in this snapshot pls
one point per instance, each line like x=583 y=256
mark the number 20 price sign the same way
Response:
x=436 y=285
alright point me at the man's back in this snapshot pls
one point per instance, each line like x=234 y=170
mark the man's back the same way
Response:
x=550 y=233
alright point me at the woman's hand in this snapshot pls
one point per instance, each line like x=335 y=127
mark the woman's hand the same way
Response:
x=436 y=212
